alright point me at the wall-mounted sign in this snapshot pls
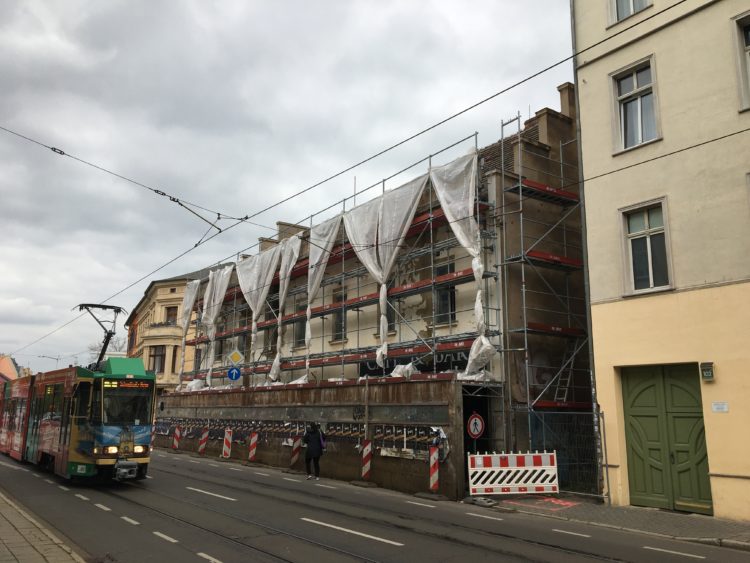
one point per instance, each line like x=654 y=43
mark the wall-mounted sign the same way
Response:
x=720 y=406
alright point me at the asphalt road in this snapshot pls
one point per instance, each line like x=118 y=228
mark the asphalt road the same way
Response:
x=194 y=509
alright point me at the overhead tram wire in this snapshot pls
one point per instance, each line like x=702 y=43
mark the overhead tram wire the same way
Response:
x=246 y=218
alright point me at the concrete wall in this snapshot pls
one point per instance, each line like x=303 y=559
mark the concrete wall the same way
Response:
x=279 y=413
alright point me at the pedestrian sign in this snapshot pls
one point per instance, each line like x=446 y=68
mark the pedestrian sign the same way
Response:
x=475 y=426
x=234 y=373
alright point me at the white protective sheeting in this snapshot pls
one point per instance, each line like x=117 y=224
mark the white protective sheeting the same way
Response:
x=322 y=238
x=376 y=231
x=289 y=253
x=213 y=298
x=188 y=300
x=255 y=274
x=455 y=187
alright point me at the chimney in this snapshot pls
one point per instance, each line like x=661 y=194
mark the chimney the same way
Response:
x=567 y=99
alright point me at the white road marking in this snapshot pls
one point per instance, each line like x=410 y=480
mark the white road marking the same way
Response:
x=193 y=461
x=570 y=533
x=36 y=475
x=104 y=508
x=324 y=486
x=206 y=556
x=293 y=480
x=235 y=469
x=420 y=504
x=484 y=516
x=348 y=531
x=149 y=477
x=264 y=474
x=161 y=455
x=80 y=496
x=49 y=481
x=674 y=552
x=131 y=521
x=213 y=465
x=63 y=488
x=165 y=537
x=212 y=494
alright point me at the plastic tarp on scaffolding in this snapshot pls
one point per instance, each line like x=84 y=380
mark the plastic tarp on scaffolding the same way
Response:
x=290 y=248
x=321 y=239
x=455 y=187
x=188 y=300
x=213 y=298
x=255 y=274
x=376 y=230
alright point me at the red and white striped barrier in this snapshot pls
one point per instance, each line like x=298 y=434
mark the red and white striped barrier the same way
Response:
x=153 y=436
x=253 y=447
x=511 y=474
x=434 y=469
x=203 y=442
x=177 y=437
x=296 y=449
x=366 y=459
x=226 y=451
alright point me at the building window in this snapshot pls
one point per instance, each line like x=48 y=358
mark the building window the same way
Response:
x=339 y=316
x=445 y=309
x=132 y=335
x=626 y=8
x=743 y=58
x=175 y=350
x=647 y=247
x=171 y=314
x=156 y=358
x=636 y=106
x=172 y=290
x=300 y=304
x=197 y=359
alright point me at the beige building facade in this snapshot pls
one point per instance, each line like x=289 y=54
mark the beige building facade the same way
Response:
x=664 y=115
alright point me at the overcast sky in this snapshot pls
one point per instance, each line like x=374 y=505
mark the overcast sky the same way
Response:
x=232 y=106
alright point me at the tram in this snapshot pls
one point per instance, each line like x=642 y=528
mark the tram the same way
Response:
x=81 y=423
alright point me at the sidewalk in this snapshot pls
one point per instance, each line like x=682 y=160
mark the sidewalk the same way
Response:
x=677 y=525
x=25 y=540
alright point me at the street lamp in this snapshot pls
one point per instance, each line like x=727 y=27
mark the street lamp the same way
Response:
x=56 y=358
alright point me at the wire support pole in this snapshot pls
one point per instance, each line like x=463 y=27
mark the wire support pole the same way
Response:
x=433 y=289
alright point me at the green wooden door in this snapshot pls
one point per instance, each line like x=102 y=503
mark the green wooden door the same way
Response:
x=666 y=444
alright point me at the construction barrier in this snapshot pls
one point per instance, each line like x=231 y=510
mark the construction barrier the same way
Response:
x=253 y=447
x=434 y=469
x=511 y=474
x=366 y=459
x=153 y=435
x=226 y=451
x=296 y=448
x=203 y=442
x=177 y=437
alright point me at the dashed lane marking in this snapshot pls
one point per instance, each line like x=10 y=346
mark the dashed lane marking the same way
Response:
x=674 y=552
x=325 y=486
x=149 y=477
x=63 y=488
x=348 y=531
x=131 y=521
x=104 y=508
x=193 y=461
x=264 y=474
x=209 y=493
x=213 y=465
x=484 y=516
x=570 y=533
x=80 y=496
x=420 y=504
x=208 y=557
x=49 y=481
x=292 y=480
x=165 y=537
x=235 y=469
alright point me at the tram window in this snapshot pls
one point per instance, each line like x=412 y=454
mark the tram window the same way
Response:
x=82 y=396
x=96 y=403
x=57 y=403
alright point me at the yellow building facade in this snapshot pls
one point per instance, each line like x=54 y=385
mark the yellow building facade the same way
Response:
x=664 y=104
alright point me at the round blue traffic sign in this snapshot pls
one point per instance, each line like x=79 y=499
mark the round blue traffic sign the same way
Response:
x=234 y=374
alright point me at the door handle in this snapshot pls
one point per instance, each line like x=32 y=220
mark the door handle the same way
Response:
x=671 y=457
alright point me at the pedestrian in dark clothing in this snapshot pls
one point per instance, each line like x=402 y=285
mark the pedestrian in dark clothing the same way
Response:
x=316 y=445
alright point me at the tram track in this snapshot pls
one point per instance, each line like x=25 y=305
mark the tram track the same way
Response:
x=251 y=487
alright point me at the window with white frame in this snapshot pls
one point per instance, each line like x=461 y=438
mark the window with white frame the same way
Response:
x=626 y=8
x=743 y=58
x=634 y=89
x=647 y=247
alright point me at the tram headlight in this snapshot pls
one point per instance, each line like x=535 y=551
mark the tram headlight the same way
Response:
x=139 y=449
x=110 y=450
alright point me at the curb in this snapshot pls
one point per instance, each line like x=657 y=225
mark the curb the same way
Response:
x=431 y=496
x=364 y=484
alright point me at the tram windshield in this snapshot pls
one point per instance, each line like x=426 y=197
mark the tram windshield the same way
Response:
x=127 y=402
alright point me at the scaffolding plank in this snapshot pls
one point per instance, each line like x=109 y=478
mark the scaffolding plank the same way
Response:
x=556 y=261
x=551 y=330
x=543 y=192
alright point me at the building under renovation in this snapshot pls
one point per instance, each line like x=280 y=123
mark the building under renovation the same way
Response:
x=403 y=310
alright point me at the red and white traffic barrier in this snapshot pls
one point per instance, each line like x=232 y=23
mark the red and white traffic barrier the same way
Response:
x=253 y=447
x=153 y=436
x=434 y=469
x=296 y=449
x=510 y=474
x=366 y=459
x=203 y=442
x=226 y=451
x=177 y=437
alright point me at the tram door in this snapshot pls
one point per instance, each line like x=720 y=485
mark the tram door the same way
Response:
x=32 y=439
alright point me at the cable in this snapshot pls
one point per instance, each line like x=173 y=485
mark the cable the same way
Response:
x=333 y=176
